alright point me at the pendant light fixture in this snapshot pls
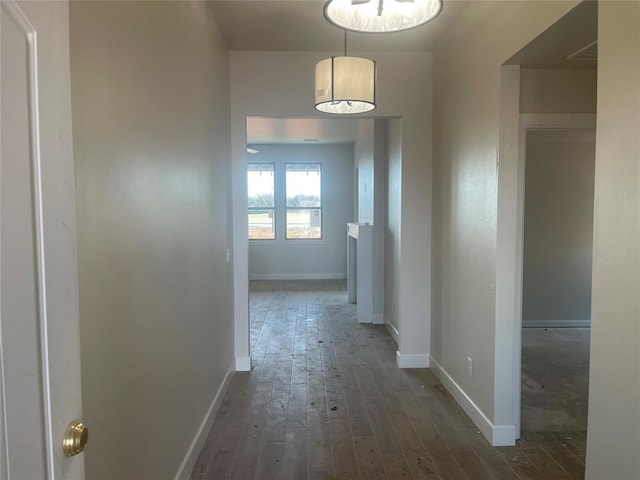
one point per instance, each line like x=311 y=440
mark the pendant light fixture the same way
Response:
x=380 y=16
x=345 y=85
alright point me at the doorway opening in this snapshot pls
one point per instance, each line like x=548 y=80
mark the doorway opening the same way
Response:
x=556 y=290
x=307 y=179
x=544 y=244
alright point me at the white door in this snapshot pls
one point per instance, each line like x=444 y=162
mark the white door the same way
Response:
x=39 y=335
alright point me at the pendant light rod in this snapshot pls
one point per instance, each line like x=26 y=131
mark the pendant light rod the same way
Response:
x=345 y=43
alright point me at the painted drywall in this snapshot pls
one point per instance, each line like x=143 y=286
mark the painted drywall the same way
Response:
x=392 y=224
x=558 y=228
x=613 y=438
x=466 y=118
x=379 y=215
x=364 y=148
x=308 y=259
x=370 y=157
x=558 y=91
x=150 y=98
x=280 y=84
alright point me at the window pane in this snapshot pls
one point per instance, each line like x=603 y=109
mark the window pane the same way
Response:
x=303 y=182
x=304 y=223
x=260 y=185
x=261 y=225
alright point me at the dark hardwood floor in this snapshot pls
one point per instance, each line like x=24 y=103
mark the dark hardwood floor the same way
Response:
x=325 y=400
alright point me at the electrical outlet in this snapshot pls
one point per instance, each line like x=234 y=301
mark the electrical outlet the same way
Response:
x=228 y=255
x=469 y=366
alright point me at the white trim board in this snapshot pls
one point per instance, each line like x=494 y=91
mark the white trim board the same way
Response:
x=243 y=364
x=297 y=276
x=188 y=463
x=529 y=122
x=391 y=328
x=511 y=181
x=498 y=435
x=412 y=360
x=556 y=323
x=557 y=121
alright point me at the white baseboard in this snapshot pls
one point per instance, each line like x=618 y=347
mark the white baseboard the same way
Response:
x=555 y=323
x=297 y=276
x=243 y=364
x=503 y=436
x=391 y=328
x=412 y=360
x=189 y=461
x=498 y=435
x=378 y=319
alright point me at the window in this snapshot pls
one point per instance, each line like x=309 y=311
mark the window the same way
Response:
x=297 y=200
x=303 y=200
x=261 y=201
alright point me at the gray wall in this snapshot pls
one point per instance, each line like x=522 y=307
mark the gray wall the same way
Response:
x=392 y=225
x=613 y=437
x=364 y=161
x=465 y=134
x=150 y=95
x=558 y=91
x=379 y=215
x=287 y=76
x=370 y=159
x=307 y=259
x=558 y=228
x=466 y=96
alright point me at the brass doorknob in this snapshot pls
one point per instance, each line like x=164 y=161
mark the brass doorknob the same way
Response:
x=75 y=439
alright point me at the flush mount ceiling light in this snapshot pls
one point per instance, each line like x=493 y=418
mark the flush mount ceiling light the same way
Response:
x=380 y=16
x=345 y=85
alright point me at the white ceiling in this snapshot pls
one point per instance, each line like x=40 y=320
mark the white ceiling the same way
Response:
x=574 y=31
x=300 y=25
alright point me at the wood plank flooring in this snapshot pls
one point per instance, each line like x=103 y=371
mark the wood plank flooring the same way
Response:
x=325 y=400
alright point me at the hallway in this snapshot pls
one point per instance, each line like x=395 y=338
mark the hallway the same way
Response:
x=325 y=400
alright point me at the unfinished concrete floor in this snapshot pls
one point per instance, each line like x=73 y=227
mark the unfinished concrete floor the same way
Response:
x=555 y=379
